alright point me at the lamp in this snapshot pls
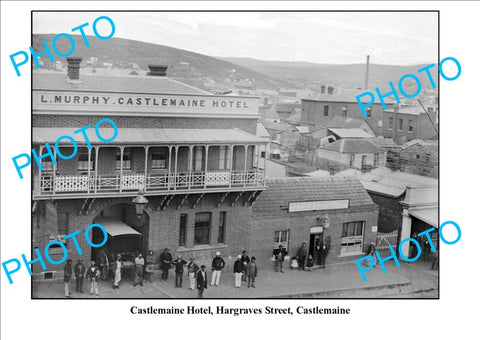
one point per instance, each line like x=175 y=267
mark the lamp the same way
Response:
x=140 y=203
x=324 y=221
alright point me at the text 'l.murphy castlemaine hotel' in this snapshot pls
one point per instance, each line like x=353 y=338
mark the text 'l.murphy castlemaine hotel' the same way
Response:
x=194 y=156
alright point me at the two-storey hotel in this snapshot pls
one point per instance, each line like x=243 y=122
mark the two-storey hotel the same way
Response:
x=192 y=155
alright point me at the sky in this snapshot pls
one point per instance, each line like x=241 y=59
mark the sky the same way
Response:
x=399 y=38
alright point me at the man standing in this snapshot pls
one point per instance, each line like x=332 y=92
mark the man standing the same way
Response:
x=79 y=276
x=280 y=254
x=252 y=272
x=67 y=276
x=238 y=271
x=165 y=262
x=302 y=256
x=323 y=254
x=179 y=263
x=217 y=266
x=245 y=261
x=117 y=270
x=93 y=274
x=192 y=269
x=139 y=264
x=201 y=281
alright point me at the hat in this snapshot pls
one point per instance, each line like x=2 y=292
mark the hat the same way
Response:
x=192 y=259
x=69 y=261
x=202 y=266
x=217 y=253
x=239 y=256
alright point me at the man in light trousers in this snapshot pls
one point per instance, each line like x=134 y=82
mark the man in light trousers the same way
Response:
x=217 y=265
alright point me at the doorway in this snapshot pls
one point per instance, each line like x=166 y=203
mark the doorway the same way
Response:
x=316 y=239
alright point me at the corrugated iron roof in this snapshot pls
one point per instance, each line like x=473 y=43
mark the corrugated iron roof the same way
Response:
x=111 y=83
x=353 y=146
x=350 y=133
x=115 y=227
x=147 y=136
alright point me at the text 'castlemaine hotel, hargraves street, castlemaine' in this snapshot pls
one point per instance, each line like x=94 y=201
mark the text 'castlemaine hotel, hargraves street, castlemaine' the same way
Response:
x=195 y=162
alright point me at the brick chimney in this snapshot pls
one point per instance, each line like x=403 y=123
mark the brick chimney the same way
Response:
x=157 y=70
x=73 y=64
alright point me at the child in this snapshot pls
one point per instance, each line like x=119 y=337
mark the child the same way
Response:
x=251 y=272
x=294 y=263
x=309 y=262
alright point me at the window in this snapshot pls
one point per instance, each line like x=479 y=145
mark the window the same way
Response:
x=159 y=160
x=375 y=159
x=352 y=237
x=281 y=238
x=222 y=226
x=417 y=156
x=369 y=112
x=83 y=160
x=262 y=154
x=364 y=160
x=198 y=158
x=344 y=111
x=325 y=110
x=182 y=232
x=223 y=158
x=127 y=159
x=390 y=123
x=202 y=228
x=352 y=159
x=427 y=158
x=410 y=126
x=400 y=124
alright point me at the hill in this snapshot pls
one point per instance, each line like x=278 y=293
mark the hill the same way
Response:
x=189 y=66
x=304 y=74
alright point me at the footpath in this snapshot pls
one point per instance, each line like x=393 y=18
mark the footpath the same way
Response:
x=339 y=281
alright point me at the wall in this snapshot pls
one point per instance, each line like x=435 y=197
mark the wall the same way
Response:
x=390 y=212
x=299 y=224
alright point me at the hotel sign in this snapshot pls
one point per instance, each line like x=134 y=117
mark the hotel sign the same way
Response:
x=142 y=103
x=317 y=205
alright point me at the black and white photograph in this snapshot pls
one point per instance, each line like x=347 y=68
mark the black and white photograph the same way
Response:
x=209 y=163
x=260 y=167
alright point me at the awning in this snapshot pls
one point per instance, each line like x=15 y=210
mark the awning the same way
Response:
x=116 y=227
x=428 y=215
x=146 y=136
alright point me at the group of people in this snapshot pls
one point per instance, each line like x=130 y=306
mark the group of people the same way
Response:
x=244 y=268
x=92 y=274
x=303 y=260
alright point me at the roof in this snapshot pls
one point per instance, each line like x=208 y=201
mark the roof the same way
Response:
x=278 y=126
x=116 y=227
x=303 y=129
x=147 y=136
x=427 y=215
x=352 y=146
x=112 y=83
x=282 y=191
x=408 y=110
x=384 y=142
x=346 y=96
x=345 y=123
x=261 y=131
x=430 y=146
x=350 y=133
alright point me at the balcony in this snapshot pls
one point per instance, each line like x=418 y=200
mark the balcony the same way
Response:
x=69 y=186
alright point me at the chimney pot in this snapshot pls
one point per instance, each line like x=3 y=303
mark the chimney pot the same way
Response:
x=73 y=65
x=157 y=70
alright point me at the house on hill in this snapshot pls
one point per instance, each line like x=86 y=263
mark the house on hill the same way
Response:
x=420 y=157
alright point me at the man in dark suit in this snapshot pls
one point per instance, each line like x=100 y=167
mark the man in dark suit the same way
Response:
x=201 y=281
x=323 y=254
x=165 y=263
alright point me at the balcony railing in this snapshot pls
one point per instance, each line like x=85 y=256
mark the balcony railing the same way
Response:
x=68 y=184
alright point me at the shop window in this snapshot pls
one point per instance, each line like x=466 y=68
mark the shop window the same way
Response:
x=83 y=160
x=127 y=159
x=352 y=237
x=159 y=160
x=203 y=221
x=182 y=232
x=281 y=238
x=222 y=223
